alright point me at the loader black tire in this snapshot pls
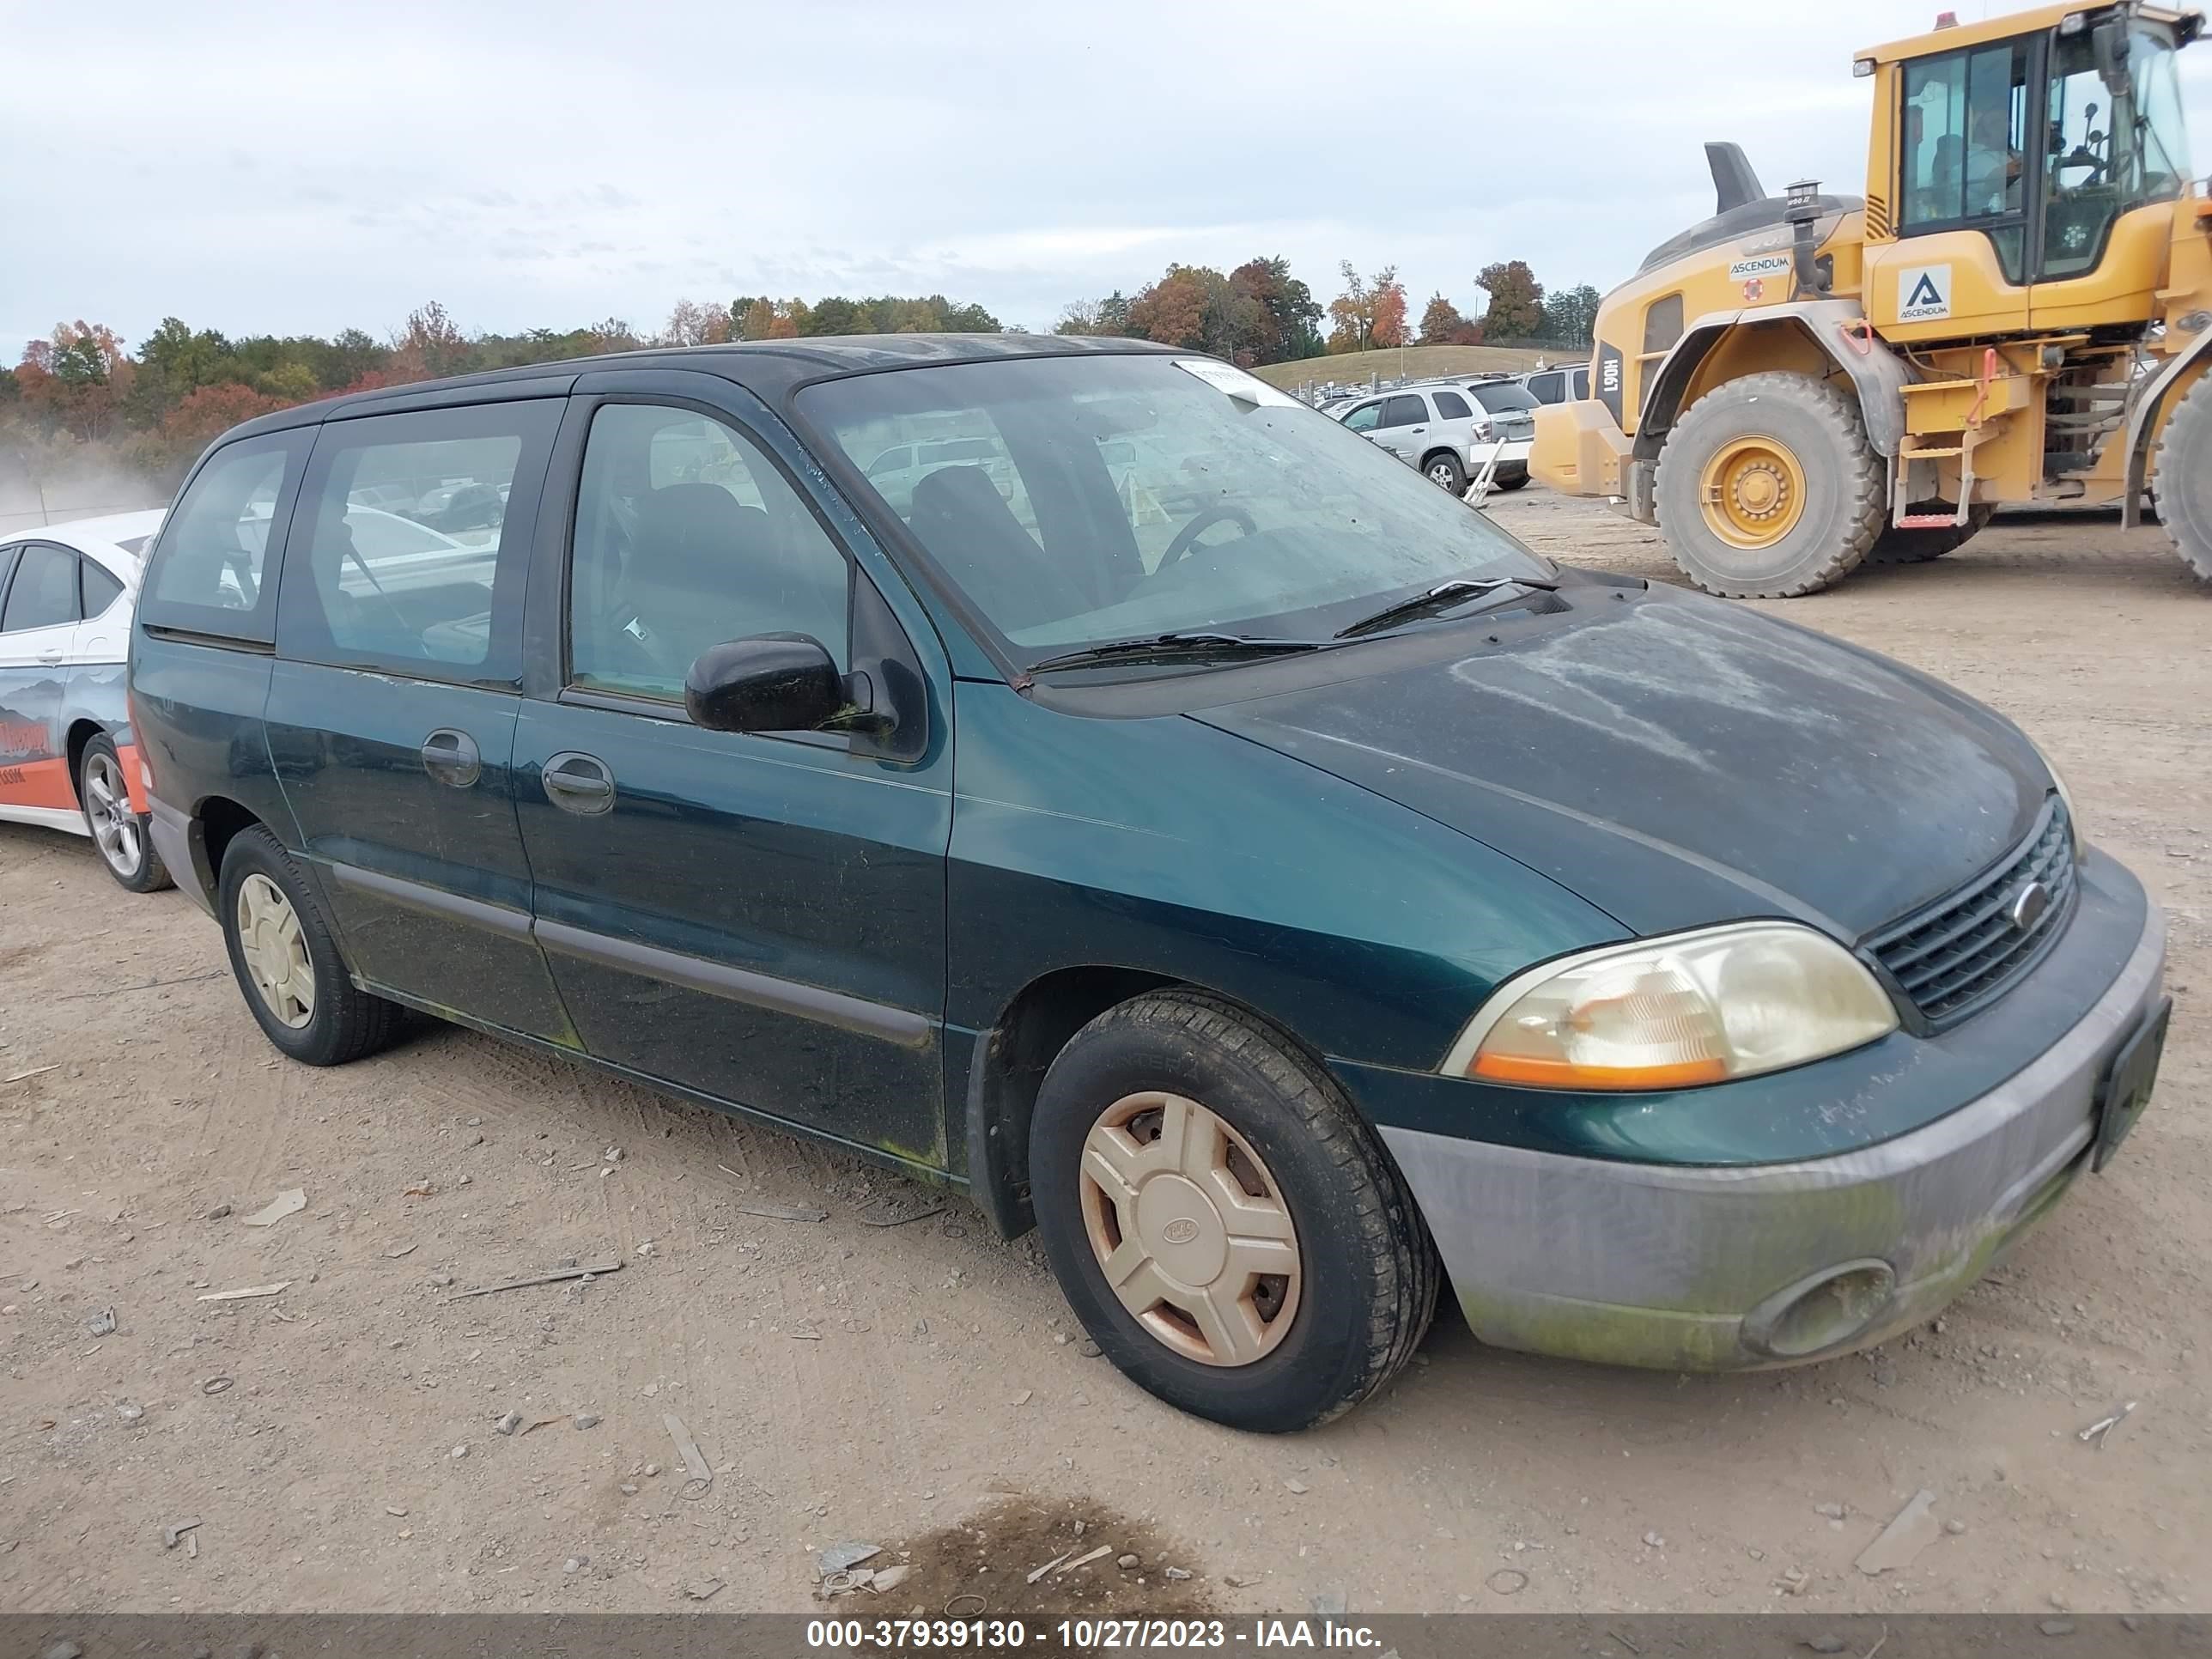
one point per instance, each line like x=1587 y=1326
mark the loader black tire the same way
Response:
x=1842 y=513
x=1895 y=546
x=2185 y=477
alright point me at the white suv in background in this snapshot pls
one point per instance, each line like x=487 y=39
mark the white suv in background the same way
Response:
x=1444 y=430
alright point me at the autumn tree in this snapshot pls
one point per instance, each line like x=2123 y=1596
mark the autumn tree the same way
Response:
x=691 y=324
x=1371 y=312
x=1516 y=300
x=430 y=346
x=76 y=379
x=1285 y=325
x=835 y=314
x=1172 y=310
x=212 y=411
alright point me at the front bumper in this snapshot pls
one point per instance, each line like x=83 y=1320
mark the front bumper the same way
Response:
x=1689 y=1268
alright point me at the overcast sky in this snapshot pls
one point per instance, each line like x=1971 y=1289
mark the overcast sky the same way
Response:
x=301 y=168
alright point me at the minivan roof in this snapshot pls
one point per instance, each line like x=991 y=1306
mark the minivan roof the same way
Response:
x=768 y=368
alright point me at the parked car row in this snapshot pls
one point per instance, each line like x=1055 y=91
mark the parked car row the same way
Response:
x=1164 y=821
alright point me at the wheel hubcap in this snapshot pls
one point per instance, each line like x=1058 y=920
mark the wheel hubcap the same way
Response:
x=1189 y=1229
x=108 y=811
x=1753 y=492
x=1441 y=474
x=276 y=951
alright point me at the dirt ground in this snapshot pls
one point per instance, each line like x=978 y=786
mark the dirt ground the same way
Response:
x=337 y=1441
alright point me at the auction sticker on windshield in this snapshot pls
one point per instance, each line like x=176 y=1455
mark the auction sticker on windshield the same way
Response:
x=1245 y=388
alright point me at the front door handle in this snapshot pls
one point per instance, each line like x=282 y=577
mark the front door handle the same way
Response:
x=452 y=758
x=579 y=783
x=50 y=657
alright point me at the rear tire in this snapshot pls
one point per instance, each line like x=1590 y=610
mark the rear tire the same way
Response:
x=1443 y=469
x=2185 y=477
x=123 y=839
x=1895 y=546
x=1518 y=481
x=1358 y=1284
x=1794 y=481
x=286 y=959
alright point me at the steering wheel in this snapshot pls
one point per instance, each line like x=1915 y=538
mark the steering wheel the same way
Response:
x=1179 y=548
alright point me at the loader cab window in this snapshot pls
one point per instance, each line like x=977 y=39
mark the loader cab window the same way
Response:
x=1966 y=147
x=2117 y=140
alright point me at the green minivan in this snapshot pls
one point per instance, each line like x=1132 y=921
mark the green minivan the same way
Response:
x=1163 y=818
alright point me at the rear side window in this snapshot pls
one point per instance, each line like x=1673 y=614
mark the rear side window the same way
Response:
x=1404 y=410
x=411 y=541
x=208 y=569
x=1503 y=397
x=1451 y=406
x=1545 y=388
x=44 y=592
x=100 y=589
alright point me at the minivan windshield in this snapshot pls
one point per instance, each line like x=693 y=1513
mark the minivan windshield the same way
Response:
x=1087 y=499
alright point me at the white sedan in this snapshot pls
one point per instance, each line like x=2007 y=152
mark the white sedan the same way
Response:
x=67 y=759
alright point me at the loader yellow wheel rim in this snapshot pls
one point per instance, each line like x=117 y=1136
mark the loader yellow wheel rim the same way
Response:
x=1752 y=491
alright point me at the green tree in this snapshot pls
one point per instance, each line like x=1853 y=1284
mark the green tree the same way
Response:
x=1570 y=315
x=1287 y=325
x=837 y=314
x=1516 y=300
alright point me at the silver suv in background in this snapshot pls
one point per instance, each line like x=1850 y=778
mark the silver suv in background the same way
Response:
x=1443 y=431
x=1568 y=383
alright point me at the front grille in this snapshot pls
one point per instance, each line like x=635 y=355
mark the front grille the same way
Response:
x=1964 y=951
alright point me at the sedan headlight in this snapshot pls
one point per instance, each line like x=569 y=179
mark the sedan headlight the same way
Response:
x=1672 y=1013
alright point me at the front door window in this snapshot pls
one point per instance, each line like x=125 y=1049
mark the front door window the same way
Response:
x=1966 y=147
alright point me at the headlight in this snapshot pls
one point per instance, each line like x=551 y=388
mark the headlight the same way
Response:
x=1672 y=1013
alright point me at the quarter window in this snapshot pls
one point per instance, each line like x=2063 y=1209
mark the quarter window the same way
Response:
x=100 y=589
x=206 y=575
x=1450 y=406
x=44 y=592
x=410 y=546
x=688 y=535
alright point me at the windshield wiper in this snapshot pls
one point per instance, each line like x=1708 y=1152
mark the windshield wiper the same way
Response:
x=1170 y=647
x=1442 y=597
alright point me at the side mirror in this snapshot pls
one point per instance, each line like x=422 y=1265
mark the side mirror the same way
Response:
x=764 y=683
x=2108 y=46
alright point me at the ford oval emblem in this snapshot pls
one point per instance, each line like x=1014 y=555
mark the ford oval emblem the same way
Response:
x=1181 y=1230
x=2028 y=906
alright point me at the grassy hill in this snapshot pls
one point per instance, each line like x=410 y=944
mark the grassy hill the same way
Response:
x=1418 y=362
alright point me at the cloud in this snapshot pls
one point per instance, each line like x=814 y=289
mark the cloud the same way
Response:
x=257 y=167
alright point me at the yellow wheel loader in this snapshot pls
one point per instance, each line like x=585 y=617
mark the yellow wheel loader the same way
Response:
x=2018 y=312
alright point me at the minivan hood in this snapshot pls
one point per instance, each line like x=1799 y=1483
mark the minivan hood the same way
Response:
x=1677 y=759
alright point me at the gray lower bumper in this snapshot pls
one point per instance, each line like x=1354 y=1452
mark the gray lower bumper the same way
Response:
x=172 y=835
x=1679 y=1267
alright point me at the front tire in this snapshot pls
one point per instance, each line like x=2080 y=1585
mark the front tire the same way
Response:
x=1443 y=469
x=125 y=839
x=2185 y=477
x=1224 y=1225
x=286 y=959
x=1768 y=488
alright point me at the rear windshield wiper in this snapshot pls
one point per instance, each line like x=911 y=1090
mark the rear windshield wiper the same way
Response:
x=1442 y=597
x=1171 y=647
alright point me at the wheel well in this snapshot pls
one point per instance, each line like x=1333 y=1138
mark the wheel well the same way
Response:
x=1008 y=1068
x=218 y=821
x=1441 y=449
x=80 y=735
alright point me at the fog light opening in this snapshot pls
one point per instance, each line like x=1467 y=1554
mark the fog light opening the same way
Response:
x=1825 y=1311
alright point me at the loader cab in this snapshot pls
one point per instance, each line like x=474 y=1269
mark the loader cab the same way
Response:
x=2020 y=169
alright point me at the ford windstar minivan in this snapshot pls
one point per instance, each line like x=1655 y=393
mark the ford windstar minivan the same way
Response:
x=1163 y=818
